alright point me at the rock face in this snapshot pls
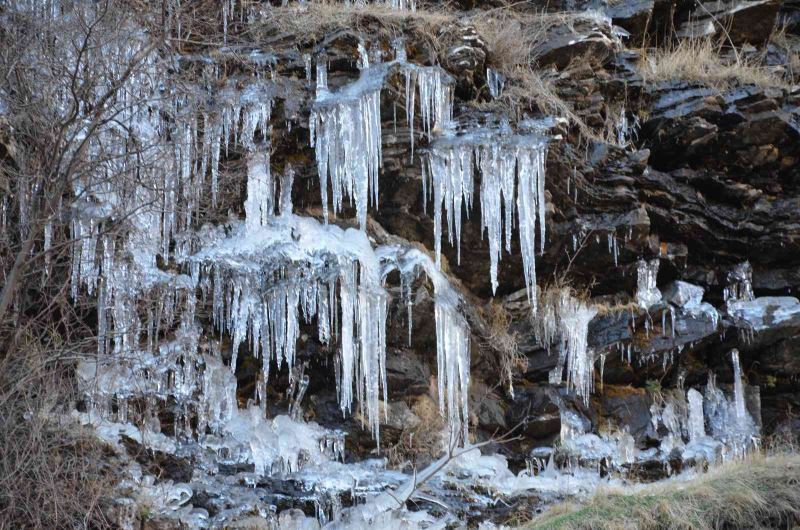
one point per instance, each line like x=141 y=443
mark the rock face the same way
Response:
x=655 y=196
x=747 y=22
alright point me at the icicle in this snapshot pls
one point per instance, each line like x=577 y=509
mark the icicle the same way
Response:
x=259 y=205
x=307 y=64
x=672 y=321
x=257 y=294
x=435 y=97
x=495 y=81
x=452 y=336
x=410 y=96
x=564 y=320
x=48 y=241
x=287 y=181
x=297 y=403
x=403 y=5
x=738 y=387
x=346 y=132
x=647 y=294
x=363 y=57
x=612 y=246
x=516 y=161
x=696 y=425
x=602 y=369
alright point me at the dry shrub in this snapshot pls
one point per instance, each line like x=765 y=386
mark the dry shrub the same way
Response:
x=422 y=443
x=513 y=39
x=753 y=493
x=791 y=45
x=502 y=340
x=703 y=61
x=53 y=473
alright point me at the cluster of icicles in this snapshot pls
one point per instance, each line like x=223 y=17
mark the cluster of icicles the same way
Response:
x=563 y=320
x=346 y=132
x=731 y=432
x=267 y=273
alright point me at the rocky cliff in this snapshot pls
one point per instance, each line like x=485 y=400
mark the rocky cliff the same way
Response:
x=565 y=233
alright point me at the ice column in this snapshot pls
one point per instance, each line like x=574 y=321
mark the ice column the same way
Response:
x=346 y=133
x=575 y=320
x=738 y=388
x=453 y=361
x=452 y=334
x=259 y=205
x=647 y=294
x=495 y=81
x=696 y=425
x=564 y=320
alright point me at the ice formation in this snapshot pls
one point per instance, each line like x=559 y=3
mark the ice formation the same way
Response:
x=346 y=134
x=616 y=448
x=563 y=321
x=261 y=283
x=267 y=274
x=764 y=312
x=512 y=169
x=434 y=87
x=740 y=285
x=731 y=432
x=738 y=387
x=697 y=429
x=452 y=334
x=402 y=5
x=346 y=126
x=495 y=81
x=647 y=294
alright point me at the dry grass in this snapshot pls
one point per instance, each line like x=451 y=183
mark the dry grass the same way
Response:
x=502 y=340
x=701 y=61
x=418 y=445
x=755 y=493
x=615 y=308
x=514 y=38
x=315 y=21
x=514 y=41
x=53 y=474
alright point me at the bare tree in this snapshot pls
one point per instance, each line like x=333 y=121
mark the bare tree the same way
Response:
x=72 y=76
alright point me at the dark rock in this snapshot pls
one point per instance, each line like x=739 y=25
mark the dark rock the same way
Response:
x=163 y=466
x=537 y=409
x=487 y=408
x=626 y=407
x=632 y=15
x=593 y=40
x=742 y=21
x=406 y=374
